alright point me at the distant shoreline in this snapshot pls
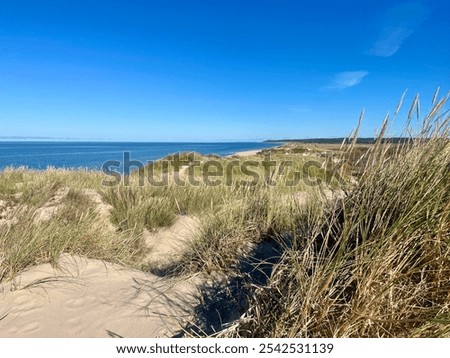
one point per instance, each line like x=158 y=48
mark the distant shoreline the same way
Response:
x=338 y=140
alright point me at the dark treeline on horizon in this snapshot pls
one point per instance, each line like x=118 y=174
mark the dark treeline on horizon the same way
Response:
x=339 y=140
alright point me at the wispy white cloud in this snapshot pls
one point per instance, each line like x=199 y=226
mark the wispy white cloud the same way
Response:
x=347 y=79
x=400 y=22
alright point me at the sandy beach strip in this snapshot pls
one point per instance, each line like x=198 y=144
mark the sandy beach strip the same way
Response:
x=248 y=153
x=245 y=153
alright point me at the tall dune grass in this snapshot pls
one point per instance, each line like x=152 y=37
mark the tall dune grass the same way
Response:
x=377 y=263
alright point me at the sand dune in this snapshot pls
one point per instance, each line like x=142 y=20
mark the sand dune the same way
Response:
x=91 y=298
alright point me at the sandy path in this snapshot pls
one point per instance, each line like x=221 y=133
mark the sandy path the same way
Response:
x=91 y=298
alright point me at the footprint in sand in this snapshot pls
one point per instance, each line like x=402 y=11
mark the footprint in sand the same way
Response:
x=29 y=328
x=23 y=306
x=75 y=303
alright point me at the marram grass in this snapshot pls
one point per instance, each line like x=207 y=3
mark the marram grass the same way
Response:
x=375 y=264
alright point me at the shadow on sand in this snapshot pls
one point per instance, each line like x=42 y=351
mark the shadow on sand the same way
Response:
x=224 y=301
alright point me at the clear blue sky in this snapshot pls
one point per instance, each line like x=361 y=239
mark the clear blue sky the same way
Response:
x=215 y=70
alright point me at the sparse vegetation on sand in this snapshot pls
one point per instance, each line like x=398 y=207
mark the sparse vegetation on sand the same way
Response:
x=358 y=246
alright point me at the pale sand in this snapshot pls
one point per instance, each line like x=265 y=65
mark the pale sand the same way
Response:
x=245 y=153
x=50 y=208
x=91 y=298
x=167 y=245
x=249 y=153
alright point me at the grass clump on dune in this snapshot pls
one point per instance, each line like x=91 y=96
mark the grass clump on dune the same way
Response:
x=225 y=235
x=135 y=208
x=34 y=233
x=247 y=217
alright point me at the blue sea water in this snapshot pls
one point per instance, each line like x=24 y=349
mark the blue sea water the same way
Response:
x=92 y=155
